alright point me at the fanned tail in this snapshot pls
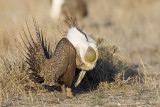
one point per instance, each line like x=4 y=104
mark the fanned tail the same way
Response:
x=35 y=52
x=41 y=40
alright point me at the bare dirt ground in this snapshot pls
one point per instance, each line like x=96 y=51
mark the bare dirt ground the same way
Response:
x=131 y=27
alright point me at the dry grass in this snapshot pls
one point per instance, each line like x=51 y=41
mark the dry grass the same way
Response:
x=127 y=73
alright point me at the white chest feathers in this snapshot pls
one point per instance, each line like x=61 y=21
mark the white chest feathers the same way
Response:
x=86 y=47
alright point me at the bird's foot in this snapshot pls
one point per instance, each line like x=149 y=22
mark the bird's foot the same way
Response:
x=69 y=92
x=64 y=91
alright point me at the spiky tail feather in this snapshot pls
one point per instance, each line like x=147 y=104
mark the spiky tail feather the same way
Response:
x=36 y=52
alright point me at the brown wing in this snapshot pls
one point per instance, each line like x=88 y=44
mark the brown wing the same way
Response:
x=63 y=64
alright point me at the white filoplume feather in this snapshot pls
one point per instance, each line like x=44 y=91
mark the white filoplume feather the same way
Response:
x=81 y=43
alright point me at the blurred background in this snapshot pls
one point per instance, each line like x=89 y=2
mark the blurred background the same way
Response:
x=132 y=25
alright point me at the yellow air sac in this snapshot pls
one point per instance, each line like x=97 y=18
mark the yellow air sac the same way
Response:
x=90 y=55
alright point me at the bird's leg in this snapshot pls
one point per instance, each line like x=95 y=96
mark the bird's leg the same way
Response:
x=69 y=92
x=64 y=91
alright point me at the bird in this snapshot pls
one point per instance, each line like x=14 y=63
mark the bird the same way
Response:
x=75 y=50
x=68 y=8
